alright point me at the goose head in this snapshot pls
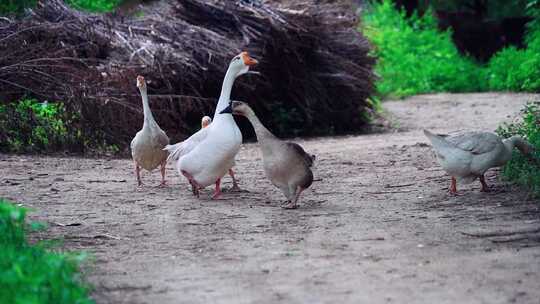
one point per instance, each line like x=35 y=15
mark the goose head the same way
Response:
x=241 y=63
x=141 y=83
x=237 y=108
x=205 y=121
x=523 y=146
x=527 y=149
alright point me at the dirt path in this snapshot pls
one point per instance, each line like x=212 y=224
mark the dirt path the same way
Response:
x=377 y=226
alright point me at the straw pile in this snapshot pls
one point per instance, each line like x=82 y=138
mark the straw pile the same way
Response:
x=316 y=73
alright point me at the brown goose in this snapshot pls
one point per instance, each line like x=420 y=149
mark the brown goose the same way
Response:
x=147 y=145
x=286 y=164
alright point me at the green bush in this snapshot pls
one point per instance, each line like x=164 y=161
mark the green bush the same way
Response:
x=518 y=70
x=521 y=169
x=30 y=126
x=95 y=5
x=31 y=273
x=15 y=6
x=99 y=6
x=414 y=56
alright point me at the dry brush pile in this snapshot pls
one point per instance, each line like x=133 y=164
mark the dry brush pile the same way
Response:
x=316 y=74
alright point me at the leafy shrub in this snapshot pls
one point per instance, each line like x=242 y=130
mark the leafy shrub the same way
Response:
x=18 y=6
x=518 y=70
x=15 y=6
x=414 y=56
x=95 y=5
x=521 y=169
x=30 y=126
x=31 y=273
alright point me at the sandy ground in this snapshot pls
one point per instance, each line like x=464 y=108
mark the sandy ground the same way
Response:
x=377 y=226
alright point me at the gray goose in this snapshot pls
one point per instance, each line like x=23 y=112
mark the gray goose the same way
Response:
x=286 y=164
x=468 y=155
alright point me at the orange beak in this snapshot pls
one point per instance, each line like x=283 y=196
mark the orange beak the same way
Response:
x=248 y=60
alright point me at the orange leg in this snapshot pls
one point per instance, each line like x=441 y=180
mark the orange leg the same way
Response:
x=138 y=174
x=217 y=192
x=292 y=204
x=485 y=187
x=235 y=187
x=162 y=169
x=194 y=185
x=453 y=186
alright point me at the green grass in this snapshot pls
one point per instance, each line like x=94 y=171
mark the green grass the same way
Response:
x=415 y=57
x=33 y=274
x=520 y=169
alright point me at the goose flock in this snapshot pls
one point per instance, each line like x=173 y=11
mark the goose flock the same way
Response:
x=208 y=155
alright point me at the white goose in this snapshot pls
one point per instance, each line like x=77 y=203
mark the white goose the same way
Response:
x=207 y=155
x=205 y=122
x=147 y=145
x=467 y=156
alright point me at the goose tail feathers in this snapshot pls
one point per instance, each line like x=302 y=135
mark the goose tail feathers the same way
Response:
x=175 y=151
x=437 y=141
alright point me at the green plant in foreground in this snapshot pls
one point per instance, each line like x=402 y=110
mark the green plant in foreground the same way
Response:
x=520 y=169
x=32 y=273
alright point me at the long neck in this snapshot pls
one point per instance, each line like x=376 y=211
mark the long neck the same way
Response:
x=260 y=130
x=225 y=95
x=148 y=117
x=518 y=142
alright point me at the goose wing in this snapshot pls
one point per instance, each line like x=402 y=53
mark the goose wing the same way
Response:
x=308 y=159
x=475 y=142
x=184 y=147
x=160 y=140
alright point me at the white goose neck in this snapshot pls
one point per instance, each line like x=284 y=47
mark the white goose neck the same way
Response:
x=225 y=95
x=148 y=117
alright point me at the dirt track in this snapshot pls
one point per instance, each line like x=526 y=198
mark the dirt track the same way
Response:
x=376 y=227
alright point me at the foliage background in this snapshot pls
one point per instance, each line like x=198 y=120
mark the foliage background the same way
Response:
x=415 y=57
